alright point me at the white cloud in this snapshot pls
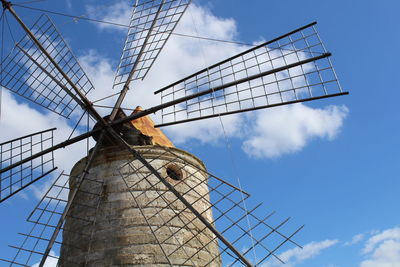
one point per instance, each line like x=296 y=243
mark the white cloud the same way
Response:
x=288 y=129
x=206 y=131
x=393 y=233
x=69 y=4
x=355 y=240
x=100 y=71
x=50 y=262
x=118 y=12
x=297 y=255
x=383 y=249
x=200 y=21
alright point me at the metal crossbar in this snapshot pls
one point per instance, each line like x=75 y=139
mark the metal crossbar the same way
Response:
x=29 y=73
x=151 y=25
x=45 y=217
x=219 y=202
x=14 y=180
x=292 y=68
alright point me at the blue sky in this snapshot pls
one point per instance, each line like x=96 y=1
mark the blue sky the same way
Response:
x=341 y=180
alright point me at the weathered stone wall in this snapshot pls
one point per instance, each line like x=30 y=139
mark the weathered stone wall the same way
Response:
x=111 y=230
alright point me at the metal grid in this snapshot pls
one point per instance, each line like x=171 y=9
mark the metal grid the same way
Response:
x=221 y=204
x=292 y=68
x=29 y=73
x=46 y=216
x=151 y=25
x=14 y=179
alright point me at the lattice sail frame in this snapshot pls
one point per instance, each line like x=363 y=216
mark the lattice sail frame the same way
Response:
x=46 y=215
x=150 y=27
x=21 y=176
x=30 y=74
x=292 y=68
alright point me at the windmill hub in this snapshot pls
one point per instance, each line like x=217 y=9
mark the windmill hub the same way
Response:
x=6 y=4
x=137 y=132
x=128 y=132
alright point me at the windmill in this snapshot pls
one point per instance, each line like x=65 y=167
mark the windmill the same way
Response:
x=181 y=214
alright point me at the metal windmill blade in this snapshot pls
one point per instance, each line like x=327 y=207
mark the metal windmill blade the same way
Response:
x=15 y=176
x=150 y=27
x=292 y=68
x=135 y=198
x=44 y=218
x=28 y=71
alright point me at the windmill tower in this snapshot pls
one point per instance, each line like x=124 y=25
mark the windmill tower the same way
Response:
x=135 y=199
x=147 y=215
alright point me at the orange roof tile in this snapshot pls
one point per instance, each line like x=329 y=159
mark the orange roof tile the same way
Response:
x=146 y=126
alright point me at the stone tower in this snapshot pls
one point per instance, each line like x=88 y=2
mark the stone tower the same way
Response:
x=135 y=221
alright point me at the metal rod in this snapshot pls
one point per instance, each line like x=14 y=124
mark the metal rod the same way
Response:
x=209 y=242
x=45 y=195
x=45 y=239
x=118 y=104
x=251 y=109
x=270 y=252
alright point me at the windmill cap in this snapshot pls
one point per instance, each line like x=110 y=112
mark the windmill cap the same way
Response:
x=146 y=126
x=137 y=132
